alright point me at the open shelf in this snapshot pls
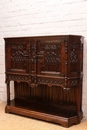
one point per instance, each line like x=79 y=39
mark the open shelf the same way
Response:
x=36 y=109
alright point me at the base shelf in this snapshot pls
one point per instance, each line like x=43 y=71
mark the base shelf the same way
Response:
x=38 y=110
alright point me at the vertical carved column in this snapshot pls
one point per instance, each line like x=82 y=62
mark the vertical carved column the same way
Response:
x=66 y=62
x=33 y=64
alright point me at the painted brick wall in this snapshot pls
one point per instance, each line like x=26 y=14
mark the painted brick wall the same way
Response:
x=42 y=17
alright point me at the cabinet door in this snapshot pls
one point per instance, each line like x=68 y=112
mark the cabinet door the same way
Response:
x=17 y=56
x=51 y=57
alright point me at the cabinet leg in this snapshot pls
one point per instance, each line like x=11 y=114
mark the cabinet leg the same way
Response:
x=8 y=94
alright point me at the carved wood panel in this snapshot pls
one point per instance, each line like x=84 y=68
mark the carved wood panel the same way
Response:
x=18 y=57
x=75 y=57
x=51 y=62
x=44 y=93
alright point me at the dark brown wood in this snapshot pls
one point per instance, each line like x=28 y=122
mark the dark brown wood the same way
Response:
x=47 y=75
x=8 y=93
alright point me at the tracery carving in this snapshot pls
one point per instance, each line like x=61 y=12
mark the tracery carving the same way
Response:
x=17 y=53
x=73 y=53
x=52 y=57
x=51 y=53
x=18 y=78
x=57 y=82
x=17 y=56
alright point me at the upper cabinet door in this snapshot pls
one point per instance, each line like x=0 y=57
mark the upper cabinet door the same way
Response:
x=51 y=57
x=17 y=56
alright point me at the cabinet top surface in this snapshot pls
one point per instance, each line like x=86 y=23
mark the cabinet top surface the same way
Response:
x=42 y=37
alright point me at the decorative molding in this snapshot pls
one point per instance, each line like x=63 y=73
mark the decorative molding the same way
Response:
x=55 y=82
x=17 y=78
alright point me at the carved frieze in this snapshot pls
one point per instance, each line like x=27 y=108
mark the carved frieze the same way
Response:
x=51 y=81
x=18 y=78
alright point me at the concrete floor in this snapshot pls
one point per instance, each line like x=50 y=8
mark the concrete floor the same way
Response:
x=16 y=122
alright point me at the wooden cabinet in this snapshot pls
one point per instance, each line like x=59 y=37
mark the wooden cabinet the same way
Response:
x=47 y=75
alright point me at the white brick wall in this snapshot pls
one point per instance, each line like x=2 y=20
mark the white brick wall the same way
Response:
x=42 y=17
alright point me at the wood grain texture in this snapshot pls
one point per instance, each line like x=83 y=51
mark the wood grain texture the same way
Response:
x=47 y=75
